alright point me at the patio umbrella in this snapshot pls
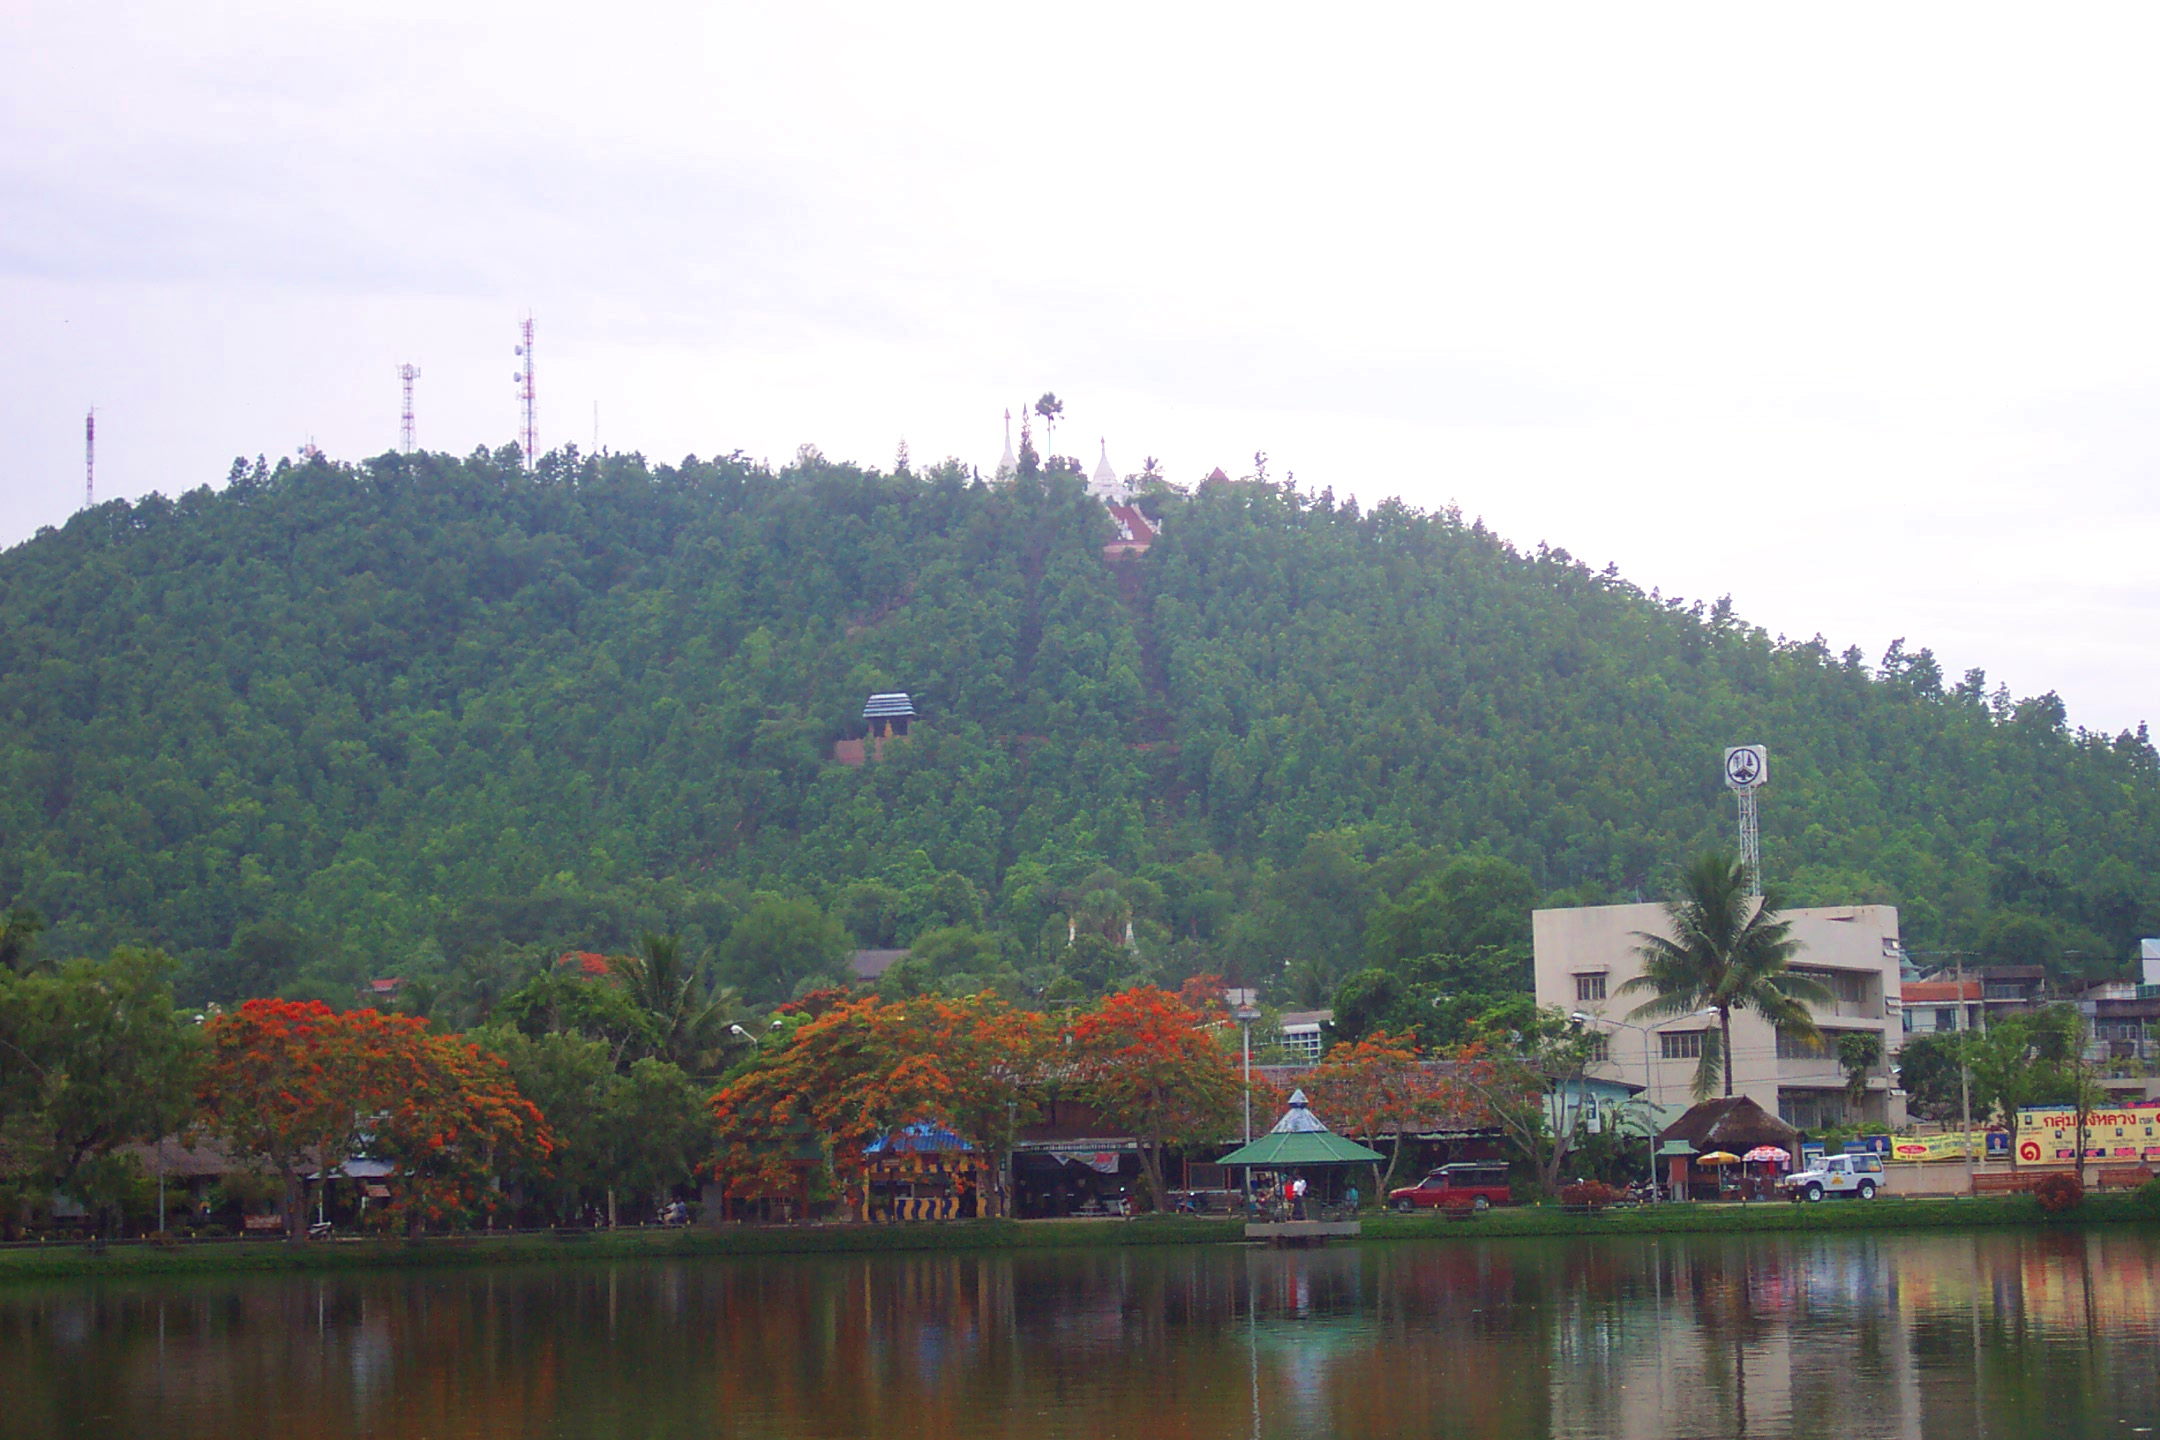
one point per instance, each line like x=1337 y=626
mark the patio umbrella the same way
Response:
x=1718 y=1157
x=1767 y=1155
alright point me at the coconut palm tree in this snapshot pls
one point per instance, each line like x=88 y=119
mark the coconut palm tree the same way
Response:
x=691 y=1017
x=1727 y=951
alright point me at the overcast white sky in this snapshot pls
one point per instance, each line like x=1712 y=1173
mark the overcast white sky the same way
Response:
x=1848 y=311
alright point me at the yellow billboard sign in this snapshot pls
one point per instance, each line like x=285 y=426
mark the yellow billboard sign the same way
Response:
x=2049 y=1136
x=1918 y=1148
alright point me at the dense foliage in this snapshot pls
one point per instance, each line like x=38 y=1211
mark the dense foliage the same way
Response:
x=445 y=719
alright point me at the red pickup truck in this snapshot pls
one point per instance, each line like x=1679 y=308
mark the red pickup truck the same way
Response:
x=1478 y=1185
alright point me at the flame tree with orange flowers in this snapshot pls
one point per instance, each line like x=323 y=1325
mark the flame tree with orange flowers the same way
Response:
x=1383 y=1088
x=1145 y=1062
x=866 y=1067
x=298 y=1087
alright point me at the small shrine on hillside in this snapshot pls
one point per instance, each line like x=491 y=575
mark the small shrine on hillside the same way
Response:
x=886 y=717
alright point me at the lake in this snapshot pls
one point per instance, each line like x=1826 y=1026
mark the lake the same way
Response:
x=1978 y=1333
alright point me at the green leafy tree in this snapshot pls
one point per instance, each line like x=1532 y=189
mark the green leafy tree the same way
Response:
x=2023 y=1060
x=1928 y=1074
x=1530 y=1080
x=1728 y=951
x=20 y=926
x=781 y=945
x=93 y=1056
x=1859 y=1053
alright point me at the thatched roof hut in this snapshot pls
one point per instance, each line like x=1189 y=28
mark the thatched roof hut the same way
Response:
x=1738 y=1125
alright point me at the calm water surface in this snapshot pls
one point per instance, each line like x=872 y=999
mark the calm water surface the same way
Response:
x=1977 y=1334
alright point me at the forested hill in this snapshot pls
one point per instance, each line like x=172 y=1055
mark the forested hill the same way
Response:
x=397 y=718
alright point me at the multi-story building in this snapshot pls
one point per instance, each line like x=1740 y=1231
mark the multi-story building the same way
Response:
x=1301 y=1033
x=1584 y=956
x=1937 y=1006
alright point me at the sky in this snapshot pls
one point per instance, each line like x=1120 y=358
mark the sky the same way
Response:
x=1847 y=312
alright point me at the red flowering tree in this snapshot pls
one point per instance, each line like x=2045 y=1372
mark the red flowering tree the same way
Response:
x=455 y=1120
x=1145 y=1063
x=299 y=1086
x=1382 y=1089
x=866 y=1067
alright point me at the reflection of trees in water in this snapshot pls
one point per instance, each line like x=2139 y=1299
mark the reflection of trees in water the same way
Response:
x=2007 y=1332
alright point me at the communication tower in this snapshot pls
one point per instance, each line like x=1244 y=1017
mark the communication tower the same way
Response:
x=408 y=374
x=530 y=439
x=1746 y=768
x=89 y=451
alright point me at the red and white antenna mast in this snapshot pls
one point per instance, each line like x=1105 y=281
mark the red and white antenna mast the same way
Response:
x=408 y=374
x=89 y=453
x=524 y=379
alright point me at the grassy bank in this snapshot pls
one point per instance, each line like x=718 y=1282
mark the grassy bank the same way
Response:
x=1886 y=1213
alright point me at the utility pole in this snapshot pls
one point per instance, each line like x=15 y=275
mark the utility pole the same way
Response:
x=1964 y=1076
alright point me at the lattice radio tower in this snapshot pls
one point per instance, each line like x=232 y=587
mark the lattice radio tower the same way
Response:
x=1747 y=767
x=524 y=379
x=89 y=458
x=408 y=374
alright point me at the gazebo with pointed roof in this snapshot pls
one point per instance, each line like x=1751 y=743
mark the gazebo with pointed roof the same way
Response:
x=1299 y=1140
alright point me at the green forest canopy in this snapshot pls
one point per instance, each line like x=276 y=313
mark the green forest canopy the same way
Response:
x=442 y=718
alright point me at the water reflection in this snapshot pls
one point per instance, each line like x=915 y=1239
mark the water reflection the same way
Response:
x=2006 y=1334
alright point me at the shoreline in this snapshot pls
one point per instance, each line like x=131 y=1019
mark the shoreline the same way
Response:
x=132 y=1259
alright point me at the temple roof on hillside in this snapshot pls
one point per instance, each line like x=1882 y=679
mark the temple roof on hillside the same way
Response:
x=891 y=704
x=1105 y=479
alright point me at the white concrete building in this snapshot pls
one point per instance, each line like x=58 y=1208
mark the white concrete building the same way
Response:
x=1584 y=956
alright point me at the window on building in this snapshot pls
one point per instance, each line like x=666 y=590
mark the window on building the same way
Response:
x=1302 y=1041
x=1946 y=1017
x=1850 y=987
x=1798 y=1047
x=2003 y=990
x=1598 y=1045
x=1590 y=987
x=1680 y=1044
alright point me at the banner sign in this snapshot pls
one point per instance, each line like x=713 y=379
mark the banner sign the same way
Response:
x=2050 y=1136
x=1980 y=1144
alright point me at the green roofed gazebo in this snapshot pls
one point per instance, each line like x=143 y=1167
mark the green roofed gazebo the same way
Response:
x=1298 y=1140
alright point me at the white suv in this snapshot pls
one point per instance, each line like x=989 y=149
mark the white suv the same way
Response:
x=1859 y=1176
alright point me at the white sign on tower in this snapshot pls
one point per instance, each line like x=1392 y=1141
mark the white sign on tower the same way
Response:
x=1746 y=768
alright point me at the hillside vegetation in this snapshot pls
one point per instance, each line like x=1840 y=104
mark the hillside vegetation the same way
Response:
x=442 y=718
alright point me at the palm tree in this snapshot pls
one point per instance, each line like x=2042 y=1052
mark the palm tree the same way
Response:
x=690 y=1016
x=1727 y=952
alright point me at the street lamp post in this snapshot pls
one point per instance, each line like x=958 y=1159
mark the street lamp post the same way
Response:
x=1246 y=1012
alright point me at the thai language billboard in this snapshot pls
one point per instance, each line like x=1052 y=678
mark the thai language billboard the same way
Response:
x=1982 y=1144
x=2049 y=1135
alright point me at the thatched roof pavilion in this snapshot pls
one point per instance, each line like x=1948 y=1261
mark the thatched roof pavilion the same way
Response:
x=1737 y=1125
